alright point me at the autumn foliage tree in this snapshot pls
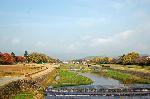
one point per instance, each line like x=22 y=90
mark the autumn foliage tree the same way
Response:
x=20 y=59
x=39 y=58
x=129 y=58
x=6 y=59
x=142 y=60
x=101 y=60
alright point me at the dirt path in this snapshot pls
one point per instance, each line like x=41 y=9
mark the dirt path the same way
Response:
x=6 y=80
x=44 y=72
x=36 y=74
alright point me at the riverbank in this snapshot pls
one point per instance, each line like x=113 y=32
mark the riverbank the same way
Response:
x=34 y=84
x=62 y=76
x=132 y=68
x=124 y=77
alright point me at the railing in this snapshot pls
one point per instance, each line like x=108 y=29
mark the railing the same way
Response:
x=141 y=90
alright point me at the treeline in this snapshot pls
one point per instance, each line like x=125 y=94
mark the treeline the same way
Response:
x=11 y=58
x=132 y=58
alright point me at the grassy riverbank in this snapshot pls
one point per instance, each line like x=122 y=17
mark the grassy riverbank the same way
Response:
x=24 y=95
x=71 y=79
x=125 y=78
x=63 y=77
x=137 y=68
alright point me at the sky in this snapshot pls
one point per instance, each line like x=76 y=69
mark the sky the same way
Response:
x=69 y=29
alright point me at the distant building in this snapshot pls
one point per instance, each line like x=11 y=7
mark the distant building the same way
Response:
x=66 y=62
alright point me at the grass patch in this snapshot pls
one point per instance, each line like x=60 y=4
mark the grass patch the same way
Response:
x=66 y=78
x=71 y=79
x=24 y=95
x=125 y=78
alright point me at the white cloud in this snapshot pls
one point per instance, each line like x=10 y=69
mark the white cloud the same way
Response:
x=86 y=37
x=15 y=41
x=102 y=40
x=99 y=41
x=118 y=43
x=125 y=35
x=40 y=44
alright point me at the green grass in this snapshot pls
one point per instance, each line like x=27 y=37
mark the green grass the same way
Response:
x=67 y=78
x=125 y=78
x=24 y=95
x=71 y=79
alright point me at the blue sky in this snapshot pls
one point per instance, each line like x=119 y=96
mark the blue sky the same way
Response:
x=75 y=28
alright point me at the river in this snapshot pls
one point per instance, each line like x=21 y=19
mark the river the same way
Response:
x=99 y=82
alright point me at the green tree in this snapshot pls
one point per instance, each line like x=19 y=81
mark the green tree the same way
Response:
x=13 y=54
x=26 y=54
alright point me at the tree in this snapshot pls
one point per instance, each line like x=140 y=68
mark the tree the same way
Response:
x=148 y=61
x=97 y=60
x=126 y=60
x=107 y=60
x=26 y=54
x=129 y=58
x=39 y=58
x=20 y=59
x=13 y=54
x=141 y=61
x=1 y=57
x=6 y=58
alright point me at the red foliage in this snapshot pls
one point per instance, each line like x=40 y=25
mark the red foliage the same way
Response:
x=20 y=59
x=6 y=58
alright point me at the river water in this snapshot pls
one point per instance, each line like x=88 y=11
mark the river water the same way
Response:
x=100 y=80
